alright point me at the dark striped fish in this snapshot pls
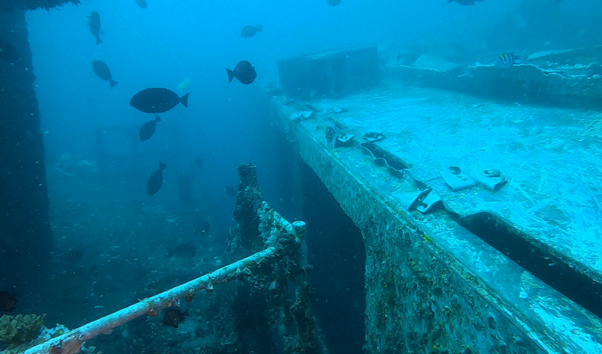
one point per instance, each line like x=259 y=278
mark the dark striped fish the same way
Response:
x=506 y=60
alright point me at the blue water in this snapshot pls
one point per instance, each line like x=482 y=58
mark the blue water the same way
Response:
x=97 y=166
x=173 y=40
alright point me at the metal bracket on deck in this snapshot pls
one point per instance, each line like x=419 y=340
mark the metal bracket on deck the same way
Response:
x=301 y=115
x=430 y=203
x=382 y=157
x=373 y=137
x=407 y=200
x=425 y=201
x=336 y=138
x=345 y=140
x=457 y=180
x=490 y=179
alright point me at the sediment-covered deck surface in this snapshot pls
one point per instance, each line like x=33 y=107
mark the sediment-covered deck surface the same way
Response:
x=420 y=266
x=551 y=158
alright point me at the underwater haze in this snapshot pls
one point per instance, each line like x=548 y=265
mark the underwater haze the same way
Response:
x=169 y=42
x=114 y=242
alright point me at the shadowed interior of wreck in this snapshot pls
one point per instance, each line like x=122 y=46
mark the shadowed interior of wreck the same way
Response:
x=536 y=259
x=336 y=252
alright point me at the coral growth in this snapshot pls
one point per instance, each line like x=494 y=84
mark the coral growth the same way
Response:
x=19 y=329
x=247 y=233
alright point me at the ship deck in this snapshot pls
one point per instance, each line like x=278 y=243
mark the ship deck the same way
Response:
x=549 y=157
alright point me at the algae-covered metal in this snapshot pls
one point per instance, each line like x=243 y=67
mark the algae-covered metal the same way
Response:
x=266 y=273
x=432 y=286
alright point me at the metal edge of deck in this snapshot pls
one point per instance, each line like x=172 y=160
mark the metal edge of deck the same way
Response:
x=447 y=291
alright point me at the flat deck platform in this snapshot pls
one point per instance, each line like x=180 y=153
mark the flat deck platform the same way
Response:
x=551 y=159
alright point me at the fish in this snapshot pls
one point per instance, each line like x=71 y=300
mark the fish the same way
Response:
x=250 y=31
x=173 y=317
x=94 y=23
x=8 y=301
x=157 y=100
x=244 y=72
x=102 y=71
x=142 y=3
x=464 y=2
x=7 y=50
x=198 y=162
x=183 y=250
x=148 y=129
x=74 y=255
x=204 y=228
x=155 y=180
x=334 y=2
x=507 y=60
x=231 y=191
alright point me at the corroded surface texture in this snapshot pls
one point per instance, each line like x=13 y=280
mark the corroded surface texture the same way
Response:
x=432 y=286
x=269 y=298
x=263 y=305
x=248 y=200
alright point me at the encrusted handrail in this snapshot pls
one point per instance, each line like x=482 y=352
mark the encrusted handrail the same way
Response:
x=72 y=341
x=265 y=229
